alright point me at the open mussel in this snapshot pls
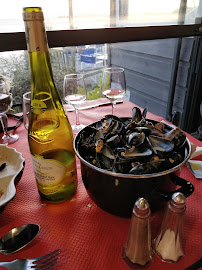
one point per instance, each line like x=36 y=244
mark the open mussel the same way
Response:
x=136 y=115
x=113 y=141
x=152 y=166
x=135 y=138
x=105 y=157
x=177 y=136
x=154 y=130
x=132 y=153
x=160 y=143
x=138 y=118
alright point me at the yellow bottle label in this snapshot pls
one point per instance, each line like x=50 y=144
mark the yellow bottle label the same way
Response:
x=48 y=171
x=38 y=106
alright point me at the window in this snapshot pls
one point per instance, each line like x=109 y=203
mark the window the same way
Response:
x=165 y=33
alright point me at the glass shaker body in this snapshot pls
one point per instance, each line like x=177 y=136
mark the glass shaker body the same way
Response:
x=137 y=251
x=168 y=244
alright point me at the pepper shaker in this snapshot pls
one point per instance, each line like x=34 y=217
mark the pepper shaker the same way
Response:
x=168 y=243
x=137 y=251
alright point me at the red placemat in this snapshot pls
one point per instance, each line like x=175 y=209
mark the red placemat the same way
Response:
x=89 y=238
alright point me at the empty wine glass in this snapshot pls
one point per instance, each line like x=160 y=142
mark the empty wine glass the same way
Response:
x=5 y=102
x=74 y=93
x=113 y=84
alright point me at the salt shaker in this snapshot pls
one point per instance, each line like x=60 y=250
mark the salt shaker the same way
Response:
x=168 y=243
x=137 y=251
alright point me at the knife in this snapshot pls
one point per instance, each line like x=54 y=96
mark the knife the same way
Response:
x=94 y=105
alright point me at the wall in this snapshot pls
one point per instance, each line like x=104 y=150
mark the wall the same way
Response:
x=148 y=67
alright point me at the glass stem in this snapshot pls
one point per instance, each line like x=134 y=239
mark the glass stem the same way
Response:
x=3 y=121
x=113 y=106
x=77 y=116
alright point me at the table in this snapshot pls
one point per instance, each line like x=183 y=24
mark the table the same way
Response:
x=89 y=238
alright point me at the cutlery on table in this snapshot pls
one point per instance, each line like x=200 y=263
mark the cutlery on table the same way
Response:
x=18 y=123
x=43 y=263
x=18 y=238
x=90 y=106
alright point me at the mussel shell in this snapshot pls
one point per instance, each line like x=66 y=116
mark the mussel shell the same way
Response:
x=107 y=151
x=112 y=116
x=143 y=168
x=105 y=162
x=177 y=136
x=122 y=165
x=137 y=152
x=179 y=140
x=113 y=141
x=136 y=115
x=161 y=144
x=141 y=129
x=135 y=138
x=154 y=130
x=144 y=113
x=112 y=125
x=99 y=134
x=86 y=144
x=151 y=166
x=117 y=127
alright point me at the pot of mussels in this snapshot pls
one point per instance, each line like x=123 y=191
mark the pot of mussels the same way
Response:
x=123 y=159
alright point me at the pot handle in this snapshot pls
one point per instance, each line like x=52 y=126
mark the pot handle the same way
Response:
x=186 y=188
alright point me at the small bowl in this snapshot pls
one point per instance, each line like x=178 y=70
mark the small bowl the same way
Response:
x=14 y=167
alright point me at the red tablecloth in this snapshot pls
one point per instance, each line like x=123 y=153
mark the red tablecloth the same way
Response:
x=89 y=238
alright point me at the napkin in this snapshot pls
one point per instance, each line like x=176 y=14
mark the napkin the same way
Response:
x=195 y=166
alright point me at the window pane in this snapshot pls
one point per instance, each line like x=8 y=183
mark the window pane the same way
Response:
x=79 y=14
x=149 y=66
x=90 y=60
x=160 y=12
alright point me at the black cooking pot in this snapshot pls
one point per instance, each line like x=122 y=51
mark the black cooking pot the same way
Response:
x=116 y=193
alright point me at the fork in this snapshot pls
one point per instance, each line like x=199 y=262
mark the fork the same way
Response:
x=45 y=262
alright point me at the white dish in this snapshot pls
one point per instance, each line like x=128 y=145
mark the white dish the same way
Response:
x=14 y=165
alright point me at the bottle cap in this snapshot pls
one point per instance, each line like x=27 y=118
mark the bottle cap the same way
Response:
x=141 y=207
x=33 y=14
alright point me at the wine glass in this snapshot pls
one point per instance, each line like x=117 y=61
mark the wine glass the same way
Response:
x=113 y=84
x=74 y=93
x=5 y=102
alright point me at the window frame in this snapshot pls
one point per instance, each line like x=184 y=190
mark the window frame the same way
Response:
x=64 y=38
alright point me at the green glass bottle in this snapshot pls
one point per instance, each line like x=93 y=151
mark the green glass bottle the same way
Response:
x=50 y=135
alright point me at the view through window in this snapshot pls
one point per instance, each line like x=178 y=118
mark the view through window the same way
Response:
x=79 y=14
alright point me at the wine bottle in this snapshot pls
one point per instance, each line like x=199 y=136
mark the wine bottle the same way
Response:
x=50 y=134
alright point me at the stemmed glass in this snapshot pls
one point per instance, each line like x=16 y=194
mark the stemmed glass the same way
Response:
x=74 y=93
x=5 y=102
x=113 y=84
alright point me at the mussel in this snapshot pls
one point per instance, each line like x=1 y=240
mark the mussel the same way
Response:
x=160 y=144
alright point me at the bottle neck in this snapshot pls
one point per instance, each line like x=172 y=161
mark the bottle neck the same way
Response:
x=37 y=46
x=36 y=37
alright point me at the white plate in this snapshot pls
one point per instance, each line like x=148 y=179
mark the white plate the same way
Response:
x=14 y=165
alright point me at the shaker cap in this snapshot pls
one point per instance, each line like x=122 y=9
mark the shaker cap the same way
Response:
x=178 y=198
x=141 y=207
